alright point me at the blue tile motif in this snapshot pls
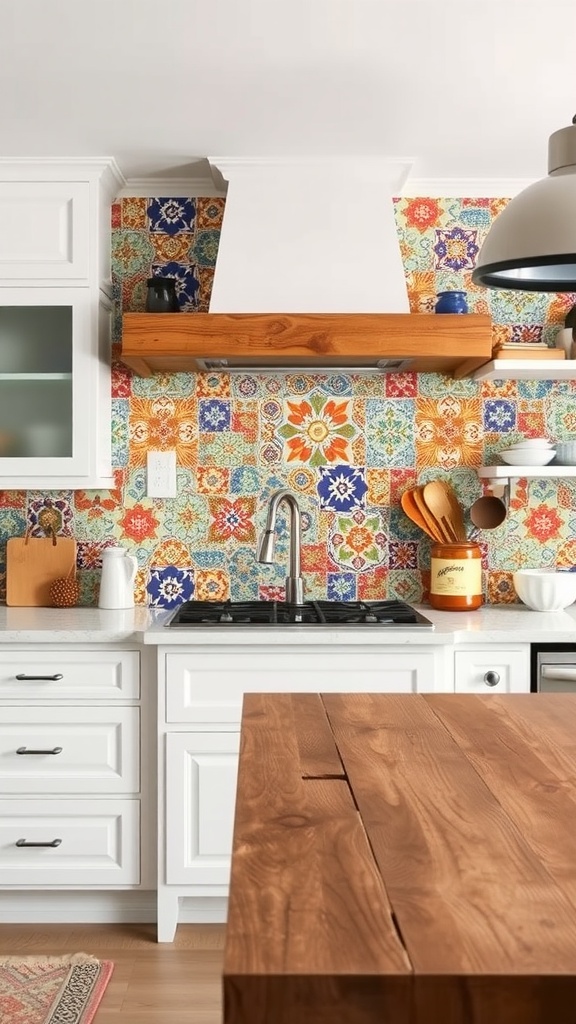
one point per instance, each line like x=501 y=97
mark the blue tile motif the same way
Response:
x=341 y=488
x=499 y=415
x=456 y=249
x=169 y=586
x=341 y=586
x=213 y=415
x=187 y=284
x=171 y=215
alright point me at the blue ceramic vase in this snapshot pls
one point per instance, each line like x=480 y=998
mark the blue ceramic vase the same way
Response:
x=451 y=302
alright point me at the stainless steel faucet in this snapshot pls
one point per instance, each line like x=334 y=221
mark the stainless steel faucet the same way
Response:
x=294 y=582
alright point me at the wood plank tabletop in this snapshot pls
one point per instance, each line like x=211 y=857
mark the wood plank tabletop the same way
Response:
x=404 y=858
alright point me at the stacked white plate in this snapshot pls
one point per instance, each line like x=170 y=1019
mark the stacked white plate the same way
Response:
x=530 y=451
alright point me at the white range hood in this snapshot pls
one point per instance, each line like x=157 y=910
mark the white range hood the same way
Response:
x=310 y=236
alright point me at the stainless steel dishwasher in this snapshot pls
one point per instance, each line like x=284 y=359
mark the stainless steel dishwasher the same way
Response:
x=553 y=668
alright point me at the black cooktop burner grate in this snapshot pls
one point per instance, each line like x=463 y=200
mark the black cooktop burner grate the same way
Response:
x=318 y=613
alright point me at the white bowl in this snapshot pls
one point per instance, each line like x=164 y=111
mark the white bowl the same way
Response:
x=528 y=456
x=566 y=453
x=533 y=442
x=545 y=590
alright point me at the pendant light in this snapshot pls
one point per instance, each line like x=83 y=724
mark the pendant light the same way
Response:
x=531 y=245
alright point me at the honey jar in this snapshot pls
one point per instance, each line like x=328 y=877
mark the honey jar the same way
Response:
x=456 y=577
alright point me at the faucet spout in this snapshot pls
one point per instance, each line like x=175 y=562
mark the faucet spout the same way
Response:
x=294 y=581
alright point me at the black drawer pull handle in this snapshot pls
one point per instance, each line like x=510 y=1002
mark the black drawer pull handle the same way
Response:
x=52 y=679
x=24 y=750
x=24 y=842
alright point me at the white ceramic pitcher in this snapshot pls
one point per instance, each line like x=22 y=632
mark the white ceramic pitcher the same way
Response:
x=117 y=580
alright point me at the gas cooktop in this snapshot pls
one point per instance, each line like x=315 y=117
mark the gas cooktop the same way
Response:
x=311 y=613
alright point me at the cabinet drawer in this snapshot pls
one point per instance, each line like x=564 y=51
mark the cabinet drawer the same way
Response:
x=96 y=842
x=493 y=670
x=94 y=750
x=61 y=675
x=44 y=230
x=208 y=688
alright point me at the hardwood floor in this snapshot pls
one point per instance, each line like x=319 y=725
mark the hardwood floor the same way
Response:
x=167 y=983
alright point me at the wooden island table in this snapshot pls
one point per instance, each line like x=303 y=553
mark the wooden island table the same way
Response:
x=404 y=859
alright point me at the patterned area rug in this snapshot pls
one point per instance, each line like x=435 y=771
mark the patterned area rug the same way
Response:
x=52 y=989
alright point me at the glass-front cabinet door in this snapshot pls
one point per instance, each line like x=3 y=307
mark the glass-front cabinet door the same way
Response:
x=48 y=366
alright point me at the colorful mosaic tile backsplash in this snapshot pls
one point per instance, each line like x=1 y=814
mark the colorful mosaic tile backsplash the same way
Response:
x=346 y=445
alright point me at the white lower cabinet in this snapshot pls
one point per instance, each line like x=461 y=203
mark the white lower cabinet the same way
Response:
x=71 y=777
x=200 y=692
x=491 y=669
x=201 y=771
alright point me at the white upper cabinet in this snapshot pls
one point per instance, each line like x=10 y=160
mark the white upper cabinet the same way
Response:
x=45 y=230
x=55 y=309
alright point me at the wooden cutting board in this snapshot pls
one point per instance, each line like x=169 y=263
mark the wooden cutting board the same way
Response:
x=32 y=565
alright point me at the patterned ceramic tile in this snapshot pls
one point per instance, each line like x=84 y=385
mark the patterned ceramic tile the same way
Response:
x=171 y=215
x=342 y=488
x=342 y=586
x=448 y=432
x=168 y=586
x=389 y=432
x=365 y=437
x=317 y=431
x=358 y=540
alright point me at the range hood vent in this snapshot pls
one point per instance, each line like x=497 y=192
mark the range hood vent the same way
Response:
x=226 y=366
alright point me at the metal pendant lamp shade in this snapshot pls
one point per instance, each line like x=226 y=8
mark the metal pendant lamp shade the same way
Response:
x=531 y=245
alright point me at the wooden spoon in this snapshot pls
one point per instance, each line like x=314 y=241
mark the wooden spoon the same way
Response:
x=413 y=512
x=441 y=509
x=457 y=515
x=435 y=527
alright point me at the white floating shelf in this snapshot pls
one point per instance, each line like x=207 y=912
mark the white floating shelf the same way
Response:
x=526 y=369
x=505 y=472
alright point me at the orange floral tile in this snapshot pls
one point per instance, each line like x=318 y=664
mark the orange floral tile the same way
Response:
x=212 y=480
x=314 y=558
x=210 y=211
x=213 y=385
x=373 y=584
x=133 y=212
x=448 y=432
x=499 y=389
x=532 y=423
x=318 y=430
x=171 y=248
x=164 y=424
x=246 y=423
x=232 y=519
x=171 y=552
x=212 y=585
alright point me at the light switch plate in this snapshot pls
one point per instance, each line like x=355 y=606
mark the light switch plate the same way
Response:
x=161 y=474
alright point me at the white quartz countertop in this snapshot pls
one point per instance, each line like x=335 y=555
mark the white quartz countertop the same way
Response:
x=489 y=624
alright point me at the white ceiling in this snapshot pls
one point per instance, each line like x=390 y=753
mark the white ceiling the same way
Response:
x=464 y=88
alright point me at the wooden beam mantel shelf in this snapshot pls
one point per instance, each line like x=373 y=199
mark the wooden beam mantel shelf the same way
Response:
x=420 y=342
